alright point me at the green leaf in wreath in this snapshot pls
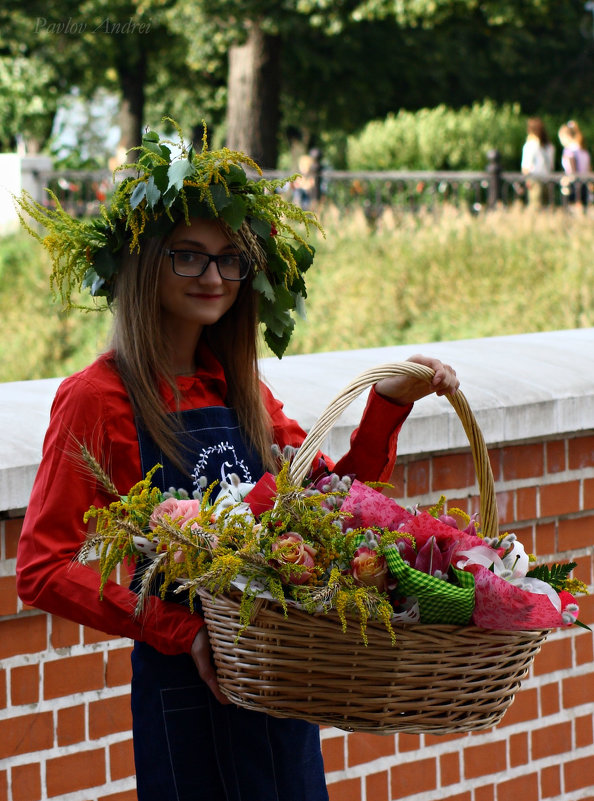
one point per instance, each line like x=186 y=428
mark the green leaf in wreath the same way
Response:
x=177 y=172
x=263 y=285
x=234 y=213
x=138 y=194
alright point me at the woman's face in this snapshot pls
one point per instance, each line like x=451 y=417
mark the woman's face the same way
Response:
x=202 y=300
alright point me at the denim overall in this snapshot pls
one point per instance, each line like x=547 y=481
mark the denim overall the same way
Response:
x=187 y=746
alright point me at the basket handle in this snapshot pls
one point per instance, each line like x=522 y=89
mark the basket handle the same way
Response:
x=311 y=444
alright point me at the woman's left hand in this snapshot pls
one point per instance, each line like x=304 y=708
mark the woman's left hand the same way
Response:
x=405 y=389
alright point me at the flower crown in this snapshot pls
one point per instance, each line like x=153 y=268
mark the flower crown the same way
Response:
x=86 y=254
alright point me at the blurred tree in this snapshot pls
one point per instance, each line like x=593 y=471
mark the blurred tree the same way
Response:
x=252 y=68
x=116 y=44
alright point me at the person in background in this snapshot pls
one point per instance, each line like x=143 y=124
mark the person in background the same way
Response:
x=538 y=160
x=575 y=160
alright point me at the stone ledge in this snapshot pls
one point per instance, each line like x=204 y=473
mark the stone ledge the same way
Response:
x=522 y=387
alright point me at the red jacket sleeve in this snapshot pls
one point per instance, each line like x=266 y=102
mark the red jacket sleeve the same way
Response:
x=48 y=575
x=372 y=454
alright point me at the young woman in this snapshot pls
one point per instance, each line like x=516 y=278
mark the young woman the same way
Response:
x=180 y=386
x=575 y=160
x=538 y=159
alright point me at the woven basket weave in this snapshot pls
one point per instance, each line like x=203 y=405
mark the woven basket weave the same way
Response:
x=437 y=678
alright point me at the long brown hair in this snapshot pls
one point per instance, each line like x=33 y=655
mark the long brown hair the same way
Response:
x=142 y=357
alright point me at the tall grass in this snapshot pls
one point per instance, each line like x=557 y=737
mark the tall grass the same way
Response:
x=415 y=279
x=425 y=279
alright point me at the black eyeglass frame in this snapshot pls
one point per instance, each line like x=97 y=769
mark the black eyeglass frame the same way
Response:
x=244 y=263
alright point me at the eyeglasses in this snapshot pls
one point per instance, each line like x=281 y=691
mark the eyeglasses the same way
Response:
x=193 y=264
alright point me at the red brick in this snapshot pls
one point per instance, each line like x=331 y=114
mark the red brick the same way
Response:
x=555 y=453
x=92 y=636
x=23 y=635
x=583 y=731
x=578 y=773
x=457 y=797
x=345 y=790
x=550 y=701
x=585 y=602
x=12 y=532
x=25 y=734
x=484 y=793
x=576 y=692
x=24 y=685
x=481 y=760
x=588 y=493
x=413 y=777
x=526 y=503
x=506 y=507
x=522 y=461
x=376 y=786
x=8 y=596
x=73 y=674
x=545 y=538
x=576 y=533
x=584 y=647
x=408 y=742
x=495 y=459
x=119 y=668
x=71 y=725
x=121 y=760
x=449 y=766
x=398 y=486
x=560 y=499
x=554 y=655
x=64 y=633
x=518 y=750
x=453 y=471
x=521 y=787
x=108 y=716
x=580 y=452
x=524 y=707
x=26 y=782
x=367 y=747
x=417 y=478
x=551 y=740
x=583 y=572
x=439 y=739
x=75 y=772
x=3 y=785
x=550 y=781
x=333 y=753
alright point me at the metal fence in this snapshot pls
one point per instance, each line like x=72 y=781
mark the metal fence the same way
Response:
x=81 y=193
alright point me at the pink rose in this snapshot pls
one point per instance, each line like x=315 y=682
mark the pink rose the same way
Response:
x=178 y=511
x=369 y=569
x=294 y=551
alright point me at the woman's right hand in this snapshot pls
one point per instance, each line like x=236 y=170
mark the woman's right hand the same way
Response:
x=202 y=656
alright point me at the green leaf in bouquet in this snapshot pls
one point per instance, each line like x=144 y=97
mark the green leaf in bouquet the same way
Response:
x=556 y=575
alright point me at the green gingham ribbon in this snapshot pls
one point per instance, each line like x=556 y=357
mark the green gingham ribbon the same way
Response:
x=450 y=602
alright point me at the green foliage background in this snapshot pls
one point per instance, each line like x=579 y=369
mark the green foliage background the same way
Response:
x=417 y=279
x=444 y=138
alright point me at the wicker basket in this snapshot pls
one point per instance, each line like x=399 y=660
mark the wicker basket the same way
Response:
x=437 y=678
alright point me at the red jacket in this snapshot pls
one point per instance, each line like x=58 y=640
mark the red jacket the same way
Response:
x=93 y=407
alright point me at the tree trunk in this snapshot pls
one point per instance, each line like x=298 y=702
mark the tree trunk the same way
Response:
x=132 y=77
x=253 y=97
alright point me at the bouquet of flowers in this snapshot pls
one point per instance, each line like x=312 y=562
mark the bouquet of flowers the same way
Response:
x=330 y=544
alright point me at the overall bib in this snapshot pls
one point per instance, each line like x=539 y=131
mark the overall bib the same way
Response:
x=187 y=746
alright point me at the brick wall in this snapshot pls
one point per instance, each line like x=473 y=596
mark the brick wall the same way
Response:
x=64 y=719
